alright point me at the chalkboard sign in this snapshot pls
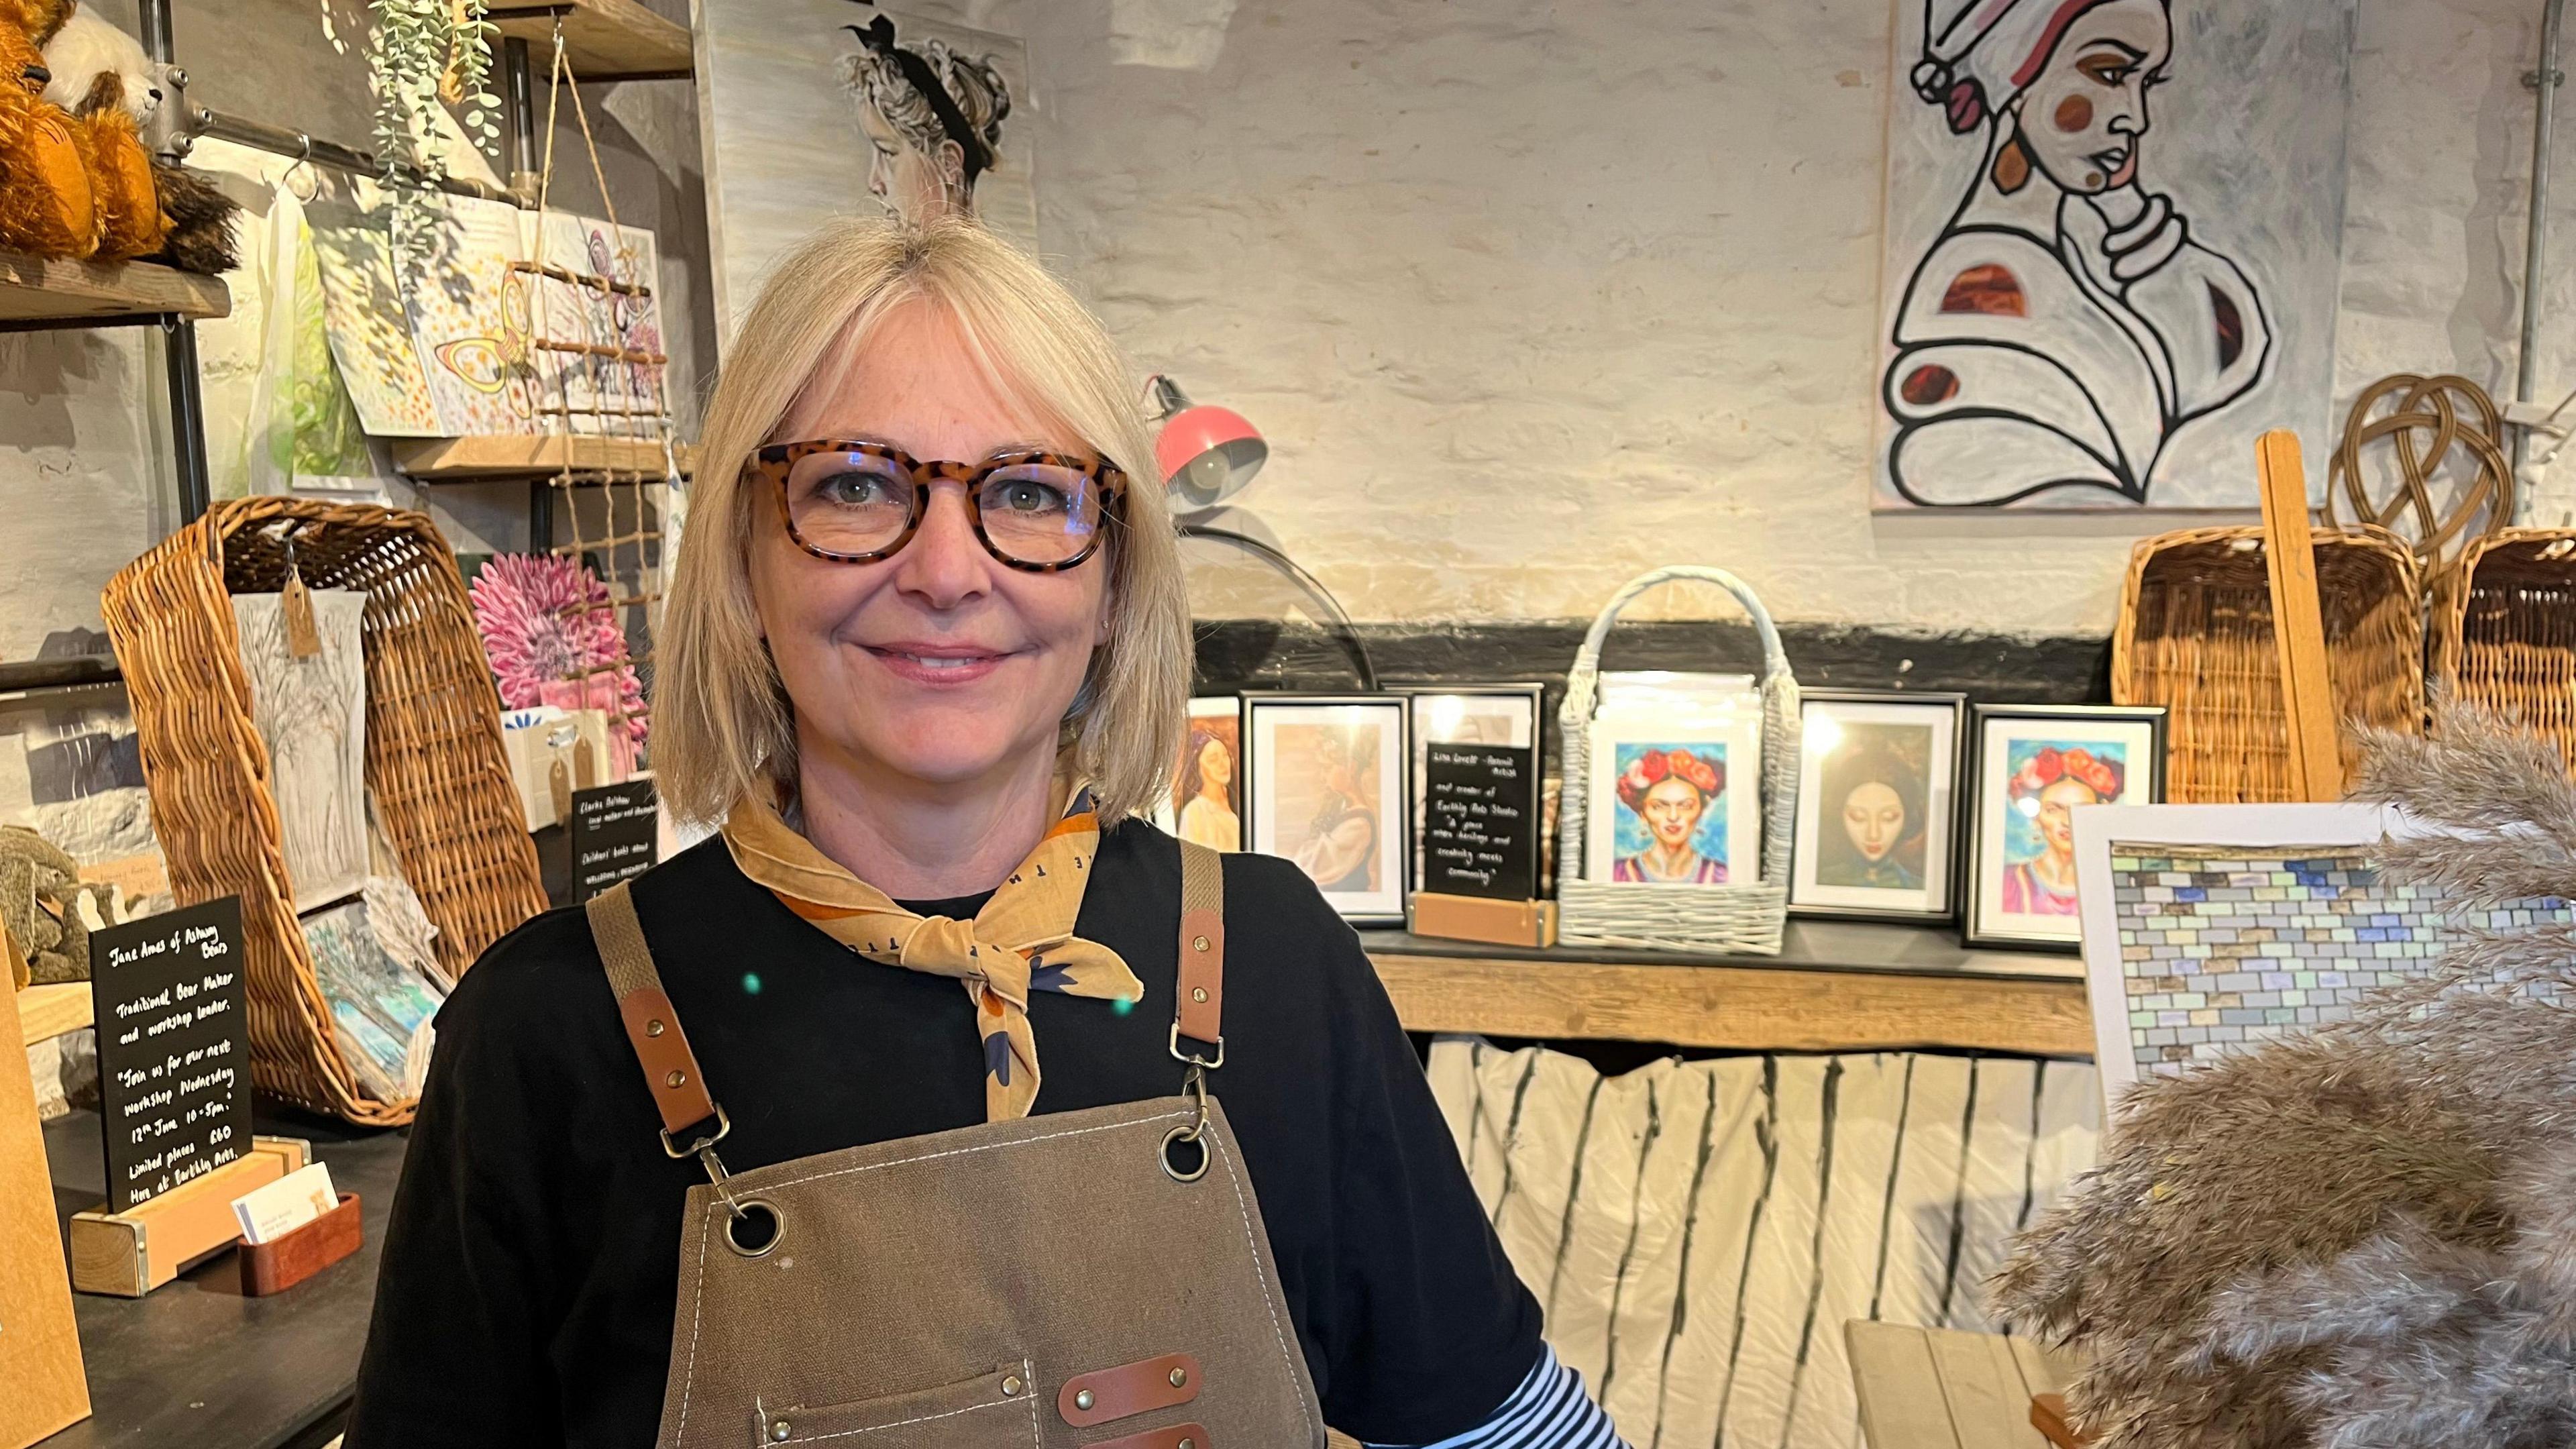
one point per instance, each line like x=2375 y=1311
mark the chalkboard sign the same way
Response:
x=173 y=1048
x=1480 y=822
x=616 y=835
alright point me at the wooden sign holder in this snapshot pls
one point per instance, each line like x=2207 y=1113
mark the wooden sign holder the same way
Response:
x=128 y=1254
x=1495 y=923
x=2298 y=626
x=42 y=1386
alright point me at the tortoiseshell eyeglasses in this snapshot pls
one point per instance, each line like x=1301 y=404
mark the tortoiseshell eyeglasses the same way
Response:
x=854 y=501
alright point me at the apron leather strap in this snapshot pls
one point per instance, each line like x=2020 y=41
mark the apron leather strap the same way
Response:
x=670 y=1068
x=1200 y=1010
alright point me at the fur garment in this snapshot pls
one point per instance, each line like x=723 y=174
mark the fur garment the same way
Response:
x=2365 y=1236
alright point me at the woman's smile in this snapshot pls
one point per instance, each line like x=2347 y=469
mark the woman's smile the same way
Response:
x=943 y=666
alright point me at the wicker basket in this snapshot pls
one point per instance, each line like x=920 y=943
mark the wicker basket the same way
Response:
x=2504 y=631
x=2196 y=636
x=1734 y=918
x=435 y=770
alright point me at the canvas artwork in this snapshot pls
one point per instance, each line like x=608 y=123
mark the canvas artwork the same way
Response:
x=813 y=109
x=1875 y=804
x=2114 y=244
x=2035 y=770
x=1206 y=804
x=312 y=713
x=363 y=315
x=1328 y=793
x=619 y=397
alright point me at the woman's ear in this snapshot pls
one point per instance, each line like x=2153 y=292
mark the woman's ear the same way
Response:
x=950 y=158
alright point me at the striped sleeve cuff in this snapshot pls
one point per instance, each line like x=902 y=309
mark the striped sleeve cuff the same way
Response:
x=1549 y=1410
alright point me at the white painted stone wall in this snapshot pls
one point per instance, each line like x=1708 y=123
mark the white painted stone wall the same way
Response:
x=1527 y=295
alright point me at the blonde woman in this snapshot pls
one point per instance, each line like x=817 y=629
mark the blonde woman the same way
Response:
x=926 y=659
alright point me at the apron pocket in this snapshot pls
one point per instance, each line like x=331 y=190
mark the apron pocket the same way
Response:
x=994 y=1408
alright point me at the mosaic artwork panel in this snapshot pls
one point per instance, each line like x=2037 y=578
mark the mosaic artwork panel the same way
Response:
x=2224 y=948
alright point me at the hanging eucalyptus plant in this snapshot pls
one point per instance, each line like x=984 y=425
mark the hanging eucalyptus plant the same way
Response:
x=426 y=53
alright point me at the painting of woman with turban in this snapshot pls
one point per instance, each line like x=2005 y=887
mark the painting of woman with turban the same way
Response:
x=2107 y=273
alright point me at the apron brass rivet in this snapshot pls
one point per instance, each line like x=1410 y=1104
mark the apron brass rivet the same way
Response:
x=1199 y=944
x=652 y=1028
x=676 y=1078
x=1011 y=1387
x=1083 y=1400
x=1189 y=1444
x=1198 y=994
x=1180 y=1377
x=779 y=1431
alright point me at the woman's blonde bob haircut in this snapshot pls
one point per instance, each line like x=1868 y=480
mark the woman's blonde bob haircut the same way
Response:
x=722 y=722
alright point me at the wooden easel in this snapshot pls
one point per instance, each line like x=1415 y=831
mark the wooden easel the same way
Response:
x=2298 y=625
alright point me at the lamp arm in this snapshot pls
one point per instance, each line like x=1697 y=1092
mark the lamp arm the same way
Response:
x=1343 y=628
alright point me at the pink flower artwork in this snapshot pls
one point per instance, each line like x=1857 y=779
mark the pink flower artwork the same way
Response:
x=546 y=619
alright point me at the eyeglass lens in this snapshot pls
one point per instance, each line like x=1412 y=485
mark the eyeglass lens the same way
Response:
x=858 y=503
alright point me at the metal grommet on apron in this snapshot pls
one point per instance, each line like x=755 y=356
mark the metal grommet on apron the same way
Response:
x=1125 y=1294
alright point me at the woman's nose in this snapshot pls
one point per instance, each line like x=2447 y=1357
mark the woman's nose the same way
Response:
x=945 y=564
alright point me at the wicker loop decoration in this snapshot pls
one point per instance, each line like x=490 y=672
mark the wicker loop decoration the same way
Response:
x=2195 y=636
x=434 y=765
x=2422 y=423
x=1745 y=917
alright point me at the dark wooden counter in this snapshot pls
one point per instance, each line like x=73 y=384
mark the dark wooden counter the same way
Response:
x=194 y=1363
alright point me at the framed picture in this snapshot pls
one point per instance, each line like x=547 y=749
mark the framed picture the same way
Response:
x=1499 y=718
x=1676 y=801
x=2034 y=765
x=1206 y=800
x=1326 y=784
x=1878 y=777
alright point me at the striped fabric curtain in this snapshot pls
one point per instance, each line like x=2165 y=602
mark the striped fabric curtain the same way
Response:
x=1700 y=1231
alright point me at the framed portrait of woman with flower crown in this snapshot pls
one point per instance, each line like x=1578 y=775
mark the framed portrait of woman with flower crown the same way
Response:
x=1676 y=802
x=2035 y=764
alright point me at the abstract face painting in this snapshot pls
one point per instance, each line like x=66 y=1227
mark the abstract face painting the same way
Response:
x=2066 y=309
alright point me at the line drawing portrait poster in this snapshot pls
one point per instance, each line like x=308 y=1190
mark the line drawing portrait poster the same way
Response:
x=2114 y=240
x=812 y=109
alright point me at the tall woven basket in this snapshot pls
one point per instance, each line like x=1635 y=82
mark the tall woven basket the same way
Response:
x=2504 y=630
x=434 y=765
x=2196 y=636
x=1742 y=918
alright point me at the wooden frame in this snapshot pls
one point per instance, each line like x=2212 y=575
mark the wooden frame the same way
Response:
x=1976 y=930
x=1940 y=826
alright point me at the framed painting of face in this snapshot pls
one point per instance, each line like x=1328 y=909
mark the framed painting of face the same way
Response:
x=1675 y=804
x=2034 y=765
x=1327 y=790
x=1206 y=803
x=1877 y=804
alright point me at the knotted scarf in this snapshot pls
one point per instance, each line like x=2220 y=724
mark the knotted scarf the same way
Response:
x=1021 y=941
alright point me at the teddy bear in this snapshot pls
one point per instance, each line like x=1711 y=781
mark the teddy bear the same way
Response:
x=47 y=205
x=101 y=76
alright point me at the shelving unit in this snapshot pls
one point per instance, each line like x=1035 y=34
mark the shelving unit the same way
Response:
x=46 y=1012
x=509 y=457
x=1835 y=987
x=41 y=292
x=604 y=40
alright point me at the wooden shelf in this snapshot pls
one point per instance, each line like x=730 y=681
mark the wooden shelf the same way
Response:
x=1884 y=988
x=507 y=456
x=604 y=40
x=46 y=290
x=45 y=1012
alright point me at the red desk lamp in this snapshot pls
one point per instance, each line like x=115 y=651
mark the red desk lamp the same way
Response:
x=1205 y=453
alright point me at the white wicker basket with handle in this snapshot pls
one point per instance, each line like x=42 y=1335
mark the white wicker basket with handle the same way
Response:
x=1744 y=917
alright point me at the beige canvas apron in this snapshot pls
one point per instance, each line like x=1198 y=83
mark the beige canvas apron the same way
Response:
x=1085 y=1280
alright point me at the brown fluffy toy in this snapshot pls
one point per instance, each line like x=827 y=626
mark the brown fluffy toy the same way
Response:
x=102 y=77
x=2364 y=1238
x=46 y=203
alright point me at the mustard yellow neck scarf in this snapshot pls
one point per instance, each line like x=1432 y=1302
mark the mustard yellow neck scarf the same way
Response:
x=1021 y=941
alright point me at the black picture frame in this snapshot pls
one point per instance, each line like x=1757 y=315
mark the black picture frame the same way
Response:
x=1417 y=744
x=1941 y=828
x=1982 y=807
x=1263 y=775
